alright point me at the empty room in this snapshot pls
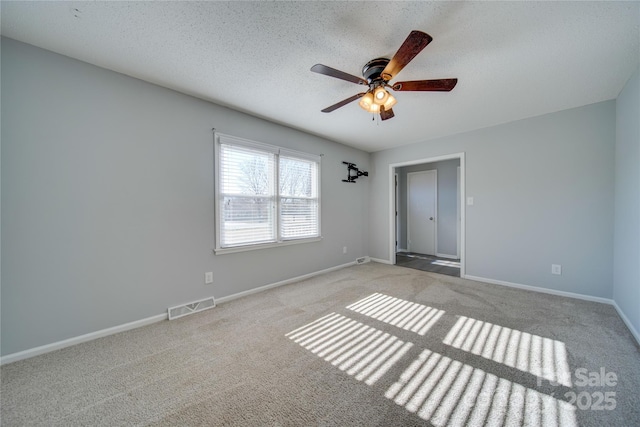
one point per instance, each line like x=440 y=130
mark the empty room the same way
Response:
x=320 y=213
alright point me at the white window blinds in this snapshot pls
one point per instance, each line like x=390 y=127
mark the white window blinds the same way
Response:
x=298 y=198
x=247 y=198
x=265 y=195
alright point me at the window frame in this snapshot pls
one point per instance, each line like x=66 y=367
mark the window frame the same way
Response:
x=220 y=139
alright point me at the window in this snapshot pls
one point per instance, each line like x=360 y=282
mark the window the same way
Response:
x=265 y=195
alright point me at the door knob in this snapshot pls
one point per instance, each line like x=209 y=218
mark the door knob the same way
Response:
x=431 y=218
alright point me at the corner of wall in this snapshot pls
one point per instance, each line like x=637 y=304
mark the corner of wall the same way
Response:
x=626 y=247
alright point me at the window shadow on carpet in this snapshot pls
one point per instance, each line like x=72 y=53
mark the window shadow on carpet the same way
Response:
x=438 y=388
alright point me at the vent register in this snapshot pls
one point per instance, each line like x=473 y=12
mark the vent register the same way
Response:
x=190 y=308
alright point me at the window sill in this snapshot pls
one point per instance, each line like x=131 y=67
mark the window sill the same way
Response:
x=246 y=248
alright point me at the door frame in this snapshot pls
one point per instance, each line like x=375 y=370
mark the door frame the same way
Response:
x=435 y=213
x=392 y=228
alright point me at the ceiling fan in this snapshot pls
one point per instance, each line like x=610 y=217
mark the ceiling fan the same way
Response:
x=378 y=72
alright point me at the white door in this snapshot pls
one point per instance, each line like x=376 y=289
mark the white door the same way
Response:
x=458 y=214
x=421 y=211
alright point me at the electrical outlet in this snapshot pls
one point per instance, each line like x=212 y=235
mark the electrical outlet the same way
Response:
x=344 y=250
x=556 y=269
x=208 y=278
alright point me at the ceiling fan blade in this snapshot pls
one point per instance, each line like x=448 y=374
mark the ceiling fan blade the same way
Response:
x=412 y=46
x=440 y=85
x=343 y=103
x=332 y=72
x=386 y=114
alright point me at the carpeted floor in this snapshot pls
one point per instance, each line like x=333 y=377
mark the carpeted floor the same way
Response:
x=368 y=345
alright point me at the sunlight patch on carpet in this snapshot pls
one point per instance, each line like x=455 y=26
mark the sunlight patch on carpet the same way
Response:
x=542 y=357
x=437 y=388
x=448 y=392
x=363 y=352
x=403 y=314
x=444 y=263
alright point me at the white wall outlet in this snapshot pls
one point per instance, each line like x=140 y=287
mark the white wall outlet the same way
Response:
x=208 y=278
x=556 y=269
x=344 y=250
x=469 y=201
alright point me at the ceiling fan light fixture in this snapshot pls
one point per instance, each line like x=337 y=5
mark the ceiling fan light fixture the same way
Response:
x=370 y=101
x=390 y=102
x=380 y=95
x=366 y=101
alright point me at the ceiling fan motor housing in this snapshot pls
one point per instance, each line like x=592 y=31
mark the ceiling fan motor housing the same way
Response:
x=373 y=69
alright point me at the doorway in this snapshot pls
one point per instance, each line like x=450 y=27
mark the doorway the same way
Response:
x=424 y=234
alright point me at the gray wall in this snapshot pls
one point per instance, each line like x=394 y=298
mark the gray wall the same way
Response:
x=542 y=191
x=447 y=203
x=626 y=276
x=107 y=200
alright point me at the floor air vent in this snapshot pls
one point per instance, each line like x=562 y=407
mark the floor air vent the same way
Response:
x=190 y=308
x=362 y=260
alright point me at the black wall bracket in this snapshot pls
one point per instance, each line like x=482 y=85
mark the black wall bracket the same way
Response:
x=353 y=173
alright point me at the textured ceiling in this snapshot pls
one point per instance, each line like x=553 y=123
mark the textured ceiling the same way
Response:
x=513 y=59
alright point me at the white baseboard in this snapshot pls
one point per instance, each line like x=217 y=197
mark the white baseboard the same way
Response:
x=446 y=256
x=626 y=320
x=36 y=351
x=539 y=289
x=281 y=283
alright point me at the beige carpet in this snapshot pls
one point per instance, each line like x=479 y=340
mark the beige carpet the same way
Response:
x=369 y=345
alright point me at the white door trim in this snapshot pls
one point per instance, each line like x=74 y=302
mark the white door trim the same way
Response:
x=392 y=231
